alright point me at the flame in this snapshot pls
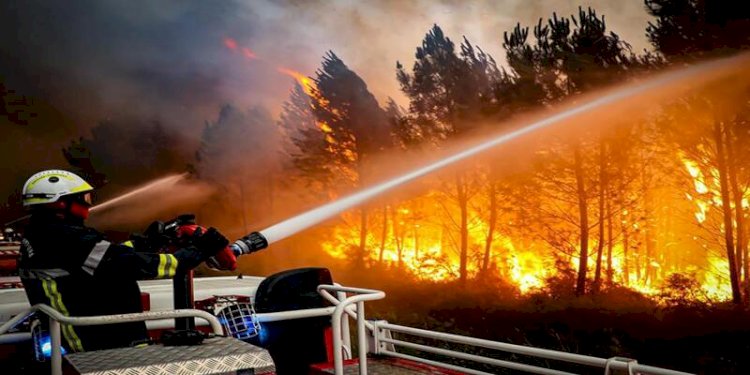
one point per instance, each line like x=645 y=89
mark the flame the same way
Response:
x=701 y=188
x=230 y=43
x=324 y=127
x=249 y=54
x=716 y=280
x=233 y=46
x=417 y=242
x=307 y=83
x=427 y=250
x=715 y=283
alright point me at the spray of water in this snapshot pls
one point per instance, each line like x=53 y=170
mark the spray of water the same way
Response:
x=160 y=183
x=310 y=218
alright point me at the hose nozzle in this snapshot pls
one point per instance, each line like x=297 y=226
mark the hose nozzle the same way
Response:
x=249 y=244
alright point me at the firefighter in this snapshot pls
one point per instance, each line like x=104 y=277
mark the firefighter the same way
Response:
x=74 y=269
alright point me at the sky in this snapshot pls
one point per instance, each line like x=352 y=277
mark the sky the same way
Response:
x=179 y=61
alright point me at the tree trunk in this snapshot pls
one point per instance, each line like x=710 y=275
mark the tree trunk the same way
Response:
x=416 y=239
x=647 y=269
x=397 y=237
x=384 y=233
x=361 y=259
x=625 y=249
x=490 y=227
x=610 y=271
x=462 y=197
x=727 y=210
x=600 y=245
x=584 y=222
x=739 y=216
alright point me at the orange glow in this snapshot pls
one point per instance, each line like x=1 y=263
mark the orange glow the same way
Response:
x=716 y=282
x=306 y=82
x=250 y=55
x=701 y=188
x=230 y=43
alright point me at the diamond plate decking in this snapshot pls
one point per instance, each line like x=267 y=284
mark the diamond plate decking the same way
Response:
x=214 y=356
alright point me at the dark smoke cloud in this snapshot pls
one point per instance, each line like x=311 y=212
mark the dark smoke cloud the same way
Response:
x=165 y=60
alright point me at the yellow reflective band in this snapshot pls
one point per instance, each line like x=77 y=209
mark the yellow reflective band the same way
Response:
x=36 y=200
x=162 y=265
x=50 y=289
x=167 y=266
x=128 y=244
x=172 y=266
x=83 y=187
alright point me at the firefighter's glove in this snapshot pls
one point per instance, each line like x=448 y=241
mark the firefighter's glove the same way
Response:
x=155 y=236
x=210 y=242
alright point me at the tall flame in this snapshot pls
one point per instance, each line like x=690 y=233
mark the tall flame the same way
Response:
x=306 y=82
x=233 y=46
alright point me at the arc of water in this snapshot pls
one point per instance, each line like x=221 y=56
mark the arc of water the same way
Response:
x=310 y=218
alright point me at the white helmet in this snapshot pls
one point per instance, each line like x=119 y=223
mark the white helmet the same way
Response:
x=48 y=186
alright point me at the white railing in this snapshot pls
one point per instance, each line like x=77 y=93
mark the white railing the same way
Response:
x=359 y=297
x=384 y=344
x=379 y=331
x=384 y=329
x=55 y=319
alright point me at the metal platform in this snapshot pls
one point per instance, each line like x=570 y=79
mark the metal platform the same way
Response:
x=214 y=356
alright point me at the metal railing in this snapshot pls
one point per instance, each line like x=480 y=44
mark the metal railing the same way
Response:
x=345 y=306
x=359 y=298
x=56 y=318
x=382 y=336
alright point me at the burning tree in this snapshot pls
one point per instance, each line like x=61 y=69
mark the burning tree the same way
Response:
x=566 y=61
x=350 y=128
x=448 y=94
x=713 y=143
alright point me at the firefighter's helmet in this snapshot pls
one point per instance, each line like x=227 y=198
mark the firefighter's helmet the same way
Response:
x=48 y=186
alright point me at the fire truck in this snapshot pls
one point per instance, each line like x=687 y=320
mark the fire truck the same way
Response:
x=298 y=321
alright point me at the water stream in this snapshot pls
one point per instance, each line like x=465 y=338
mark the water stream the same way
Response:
x=310 y=218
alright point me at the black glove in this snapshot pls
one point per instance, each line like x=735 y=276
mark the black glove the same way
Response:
x=210 y=242
x=155 y=236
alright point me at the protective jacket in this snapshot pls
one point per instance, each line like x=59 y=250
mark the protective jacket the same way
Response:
x=75 y=270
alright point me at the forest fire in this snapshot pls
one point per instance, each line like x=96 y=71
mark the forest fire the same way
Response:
x=422 y=237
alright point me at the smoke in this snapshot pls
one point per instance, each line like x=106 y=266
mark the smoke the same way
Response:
x=170 y=61
x=156 y=200
x=176 y=63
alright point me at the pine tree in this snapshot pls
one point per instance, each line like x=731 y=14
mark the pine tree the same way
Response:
x=337 y=133
x=448 y=93
x=694 y=29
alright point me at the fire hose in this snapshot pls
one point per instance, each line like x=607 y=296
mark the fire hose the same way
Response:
x=178 y=233
x=182 y=229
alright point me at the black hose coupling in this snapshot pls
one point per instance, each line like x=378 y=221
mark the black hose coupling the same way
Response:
x=249 y=244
